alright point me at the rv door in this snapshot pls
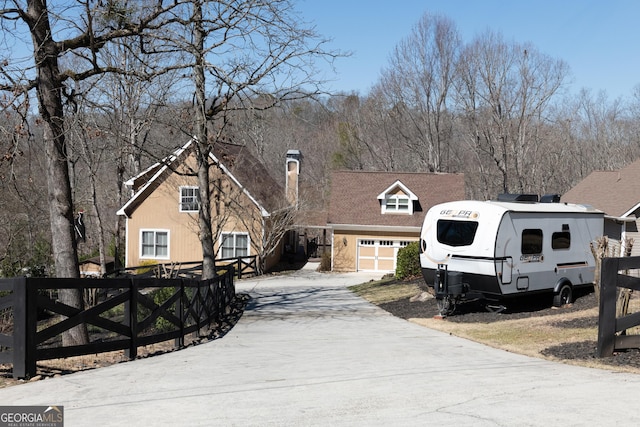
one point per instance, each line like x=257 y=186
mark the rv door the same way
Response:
x=503 y=269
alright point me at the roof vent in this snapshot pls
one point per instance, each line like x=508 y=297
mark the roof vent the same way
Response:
x=294 y=154
x=507 y=197
x=550 y=198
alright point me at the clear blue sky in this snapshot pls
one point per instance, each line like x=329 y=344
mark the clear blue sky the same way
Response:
x=600 y=40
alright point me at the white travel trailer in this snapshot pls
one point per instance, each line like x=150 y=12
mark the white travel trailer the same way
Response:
x=494 y=250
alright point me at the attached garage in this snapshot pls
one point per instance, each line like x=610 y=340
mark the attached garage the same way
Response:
x=378 y=254
x=374 y=214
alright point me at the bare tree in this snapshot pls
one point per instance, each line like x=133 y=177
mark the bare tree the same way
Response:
x=84 y=27
x=90 y=157
x=417 y=84
x=134 y=116
x=362 y=134
x=370 y=135
x=600 y=125
x=24 y=247
x=503 y=93
x=275 y=227
x=243 y=51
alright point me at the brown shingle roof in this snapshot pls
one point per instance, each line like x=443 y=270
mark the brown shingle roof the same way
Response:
x=354 y=201
x=251 y=174
x=311 y=218
x=614 y=192
x=247 y=170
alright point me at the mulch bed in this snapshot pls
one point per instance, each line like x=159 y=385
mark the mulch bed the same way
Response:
x=535 y=306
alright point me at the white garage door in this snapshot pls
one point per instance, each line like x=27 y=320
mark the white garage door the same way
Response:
x=379 y=254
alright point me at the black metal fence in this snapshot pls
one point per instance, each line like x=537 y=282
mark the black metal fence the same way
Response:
x=130 y=313
x=612 y=331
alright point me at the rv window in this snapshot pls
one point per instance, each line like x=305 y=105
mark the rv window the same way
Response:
x=561 y=240
x=456 y=233
x=531 y=241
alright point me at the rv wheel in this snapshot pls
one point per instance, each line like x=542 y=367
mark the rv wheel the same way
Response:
x=446 y=305
x=564 y=296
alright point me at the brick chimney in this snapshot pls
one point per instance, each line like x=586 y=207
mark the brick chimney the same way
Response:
x=294 y=157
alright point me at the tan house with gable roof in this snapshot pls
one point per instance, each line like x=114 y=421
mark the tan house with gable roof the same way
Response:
x=162 y=214
x=374 y=214
x=617 y=193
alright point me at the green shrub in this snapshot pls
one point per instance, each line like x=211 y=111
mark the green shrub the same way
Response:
x=408 y=262
x=159 y=297
x=146 y=266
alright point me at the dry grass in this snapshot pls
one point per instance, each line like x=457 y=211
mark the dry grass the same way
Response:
x=386 y=290
x=525 y=336
x=528 y=336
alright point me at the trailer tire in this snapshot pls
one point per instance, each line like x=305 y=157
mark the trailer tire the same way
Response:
x=446 y=305
x=563 y=296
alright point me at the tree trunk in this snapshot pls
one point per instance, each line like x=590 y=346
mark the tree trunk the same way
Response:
x=99 y=232
x=202 y=149
x=120 y=230
x=49 y=91
x=204 y=218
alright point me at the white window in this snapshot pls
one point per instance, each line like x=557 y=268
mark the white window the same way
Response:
x=234 y=245
x=154 y=244
x=189 y=199
x=397 y=199
x=398 y=204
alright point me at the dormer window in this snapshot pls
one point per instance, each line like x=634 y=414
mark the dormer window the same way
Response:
x=189 y=199
x=397 y=203
x=397 y=199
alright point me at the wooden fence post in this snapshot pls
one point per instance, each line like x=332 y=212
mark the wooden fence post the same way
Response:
x=24 y=333
x=19 y=347
x=131 y=313
x=607 y=318
x=179 y=311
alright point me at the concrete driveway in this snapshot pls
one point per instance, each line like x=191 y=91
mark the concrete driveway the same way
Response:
x=307 y=352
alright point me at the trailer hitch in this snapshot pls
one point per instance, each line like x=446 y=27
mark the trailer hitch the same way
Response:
x=449 y=289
